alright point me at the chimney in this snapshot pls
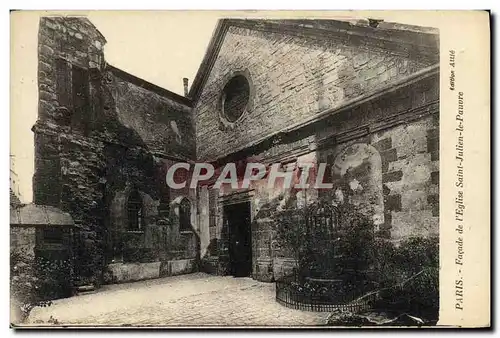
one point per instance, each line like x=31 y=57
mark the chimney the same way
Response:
x=374 y=22
x=185 y=81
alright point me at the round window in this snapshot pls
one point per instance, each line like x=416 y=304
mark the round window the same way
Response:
x=235 y=98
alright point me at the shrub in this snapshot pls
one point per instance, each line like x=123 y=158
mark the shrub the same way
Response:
x=36 y=281
x=410 y=275
x=24 y=284
x=407 y=275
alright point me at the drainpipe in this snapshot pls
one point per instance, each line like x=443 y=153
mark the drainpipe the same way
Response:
x=185 y=82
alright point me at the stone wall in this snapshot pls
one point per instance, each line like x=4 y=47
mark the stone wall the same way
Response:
x=292 y=78
x=163 y=124
x=100 y=133
x=23 y=238
x=103 y=134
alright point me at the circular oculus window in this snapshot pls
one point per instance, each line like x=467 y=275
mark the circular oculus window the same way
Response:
x=235 y=98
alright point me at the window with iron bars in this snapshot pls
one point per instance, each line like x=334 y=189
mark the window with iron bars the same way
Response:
x=135 y=212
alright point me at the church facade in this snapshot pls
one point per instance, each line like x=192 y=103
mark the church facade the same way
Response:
x=362 y=97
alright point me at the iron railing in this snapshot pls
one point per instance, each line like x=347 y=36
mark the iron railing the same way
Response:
x=320 y=300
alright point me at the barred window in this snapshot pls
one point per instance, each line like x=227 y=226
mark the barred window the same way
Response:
x=73 y=93
x=48 y=181
x=63 y=83
x=53 y=235
x=185 y=215
x=135 y=212
x=80 y=85
x=212 y=210
x=81 y=98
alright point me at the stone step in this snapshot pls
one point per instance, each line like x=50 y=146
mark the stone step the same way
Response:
x=84 y=289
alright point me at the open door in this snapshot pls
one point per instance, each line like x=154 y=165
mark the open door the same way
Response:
x=240 y=238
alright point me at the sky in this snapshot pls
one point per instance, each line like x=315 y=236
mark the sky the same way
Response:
x=161 y=47
x=174 y=42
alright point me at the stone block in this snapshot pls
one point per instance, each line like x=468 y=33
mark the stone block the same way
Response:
x=414 y=199
x=46 y=87
x=210 y=265
x=283 y=267
x=360 y=59
x=389 y=155
x=433 y=200
x=387 y=221
x=47 y=96
x=383 y=233
x=44 y=49
x=383 y=144
x=45 y=109
x=45 y=67
x=418 y=223
x=263 y=271
x=178 y=267
x=393 y=203
x=435 y=177
x=433 y=133
x=347 y=71
x=130 y=272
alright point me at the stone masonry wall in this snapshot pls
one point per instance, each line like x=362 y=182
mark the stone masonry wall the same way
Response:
x=292 y=79
x=410 y=177
x=165 y=126
x=23 y=238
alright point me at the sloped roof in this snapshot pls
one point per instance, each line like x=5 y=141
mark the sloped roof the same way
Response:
x=407 y=40
x=148 y=85
x=36 y=215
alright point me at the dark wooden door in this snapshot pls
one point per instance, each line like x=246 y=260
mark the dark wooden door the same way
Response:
x=240 y=239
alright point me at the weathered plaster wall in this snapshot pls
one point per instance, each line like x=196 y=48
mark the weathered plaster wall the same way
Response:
x=357 y=177
x=292 y=79
x=165 y=126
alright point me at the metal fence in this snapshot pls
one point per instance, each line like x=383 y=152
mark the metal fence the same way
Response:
x=287 y=295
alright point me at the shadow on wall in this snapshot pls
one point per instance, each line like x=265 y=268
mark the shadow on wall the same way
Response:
x=357 y=172
x=129 y=167
x=354 y=169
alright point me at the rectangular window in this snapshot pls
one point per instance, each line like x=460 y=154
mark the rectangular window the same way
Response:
x=185 y=215
x=53 y=235
x=73 y=93
x=47 y=177
x=63 y=83
x=80 y=86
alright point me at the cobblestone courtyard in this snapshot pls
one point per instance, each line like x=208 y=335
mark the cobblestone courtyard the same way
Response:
x=196 y=299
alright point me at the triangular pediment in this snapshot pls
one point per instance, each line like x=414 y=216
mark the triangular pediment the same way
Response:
x=416 y=44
